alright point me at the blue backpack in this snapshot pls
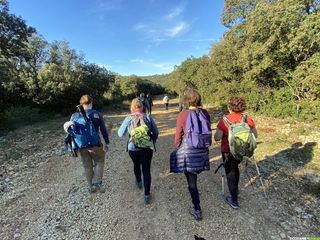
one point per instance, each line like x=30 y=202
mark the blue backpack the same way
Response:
x=198 y=130
x=85 y=134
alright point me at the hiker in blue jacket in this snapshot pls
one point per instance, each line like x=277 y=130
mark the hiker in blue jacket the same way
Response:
x=93 y=155
x=190 y=160
x=141 y=155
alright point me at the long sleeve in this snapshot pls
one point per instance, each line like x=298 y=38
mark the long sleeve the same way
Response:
x=124 y=127
x=180 y=128
x=103 y=129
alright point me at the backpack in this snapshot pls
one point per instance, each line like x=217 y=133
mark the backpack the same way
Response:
x=198 y=130
x=144 y=104
x=84 y=133
x=140 y=131
x=242 y=142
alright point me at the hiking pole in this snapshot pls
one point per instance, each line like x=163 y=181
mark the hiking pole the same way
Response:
x=260 y=178
x=222 y=176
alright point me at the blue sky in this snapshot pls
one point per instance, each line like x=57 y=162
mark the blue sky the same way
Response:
x=141 y=37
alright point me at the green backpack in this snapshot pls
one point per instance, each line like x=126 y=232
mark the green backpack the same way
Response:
x=242 y=141
x=140 y=132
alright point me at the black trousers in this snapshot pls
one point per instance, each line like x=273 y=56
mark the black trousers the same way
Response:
x=233 y=175
x=142 y=160
x=193 y=189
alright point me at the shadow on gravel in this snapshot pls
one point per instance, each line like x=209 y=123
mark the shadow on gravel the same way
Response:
x=287 y=161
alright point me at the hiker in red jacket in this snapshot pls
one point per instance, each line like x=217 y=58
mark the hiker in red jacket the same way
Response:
x=236 y=107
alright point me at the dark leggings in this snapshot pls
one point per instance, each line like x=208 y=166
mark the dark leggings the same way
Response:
x=233 y=175
x=142 y=158
x=192 y=185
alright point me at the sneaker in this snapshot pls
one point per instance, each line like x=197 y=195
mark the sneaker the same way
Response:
x=139 y=185
x=196 y=213
x=147 y=199
x=231 y=203
x=100 y=187
x=93 y=189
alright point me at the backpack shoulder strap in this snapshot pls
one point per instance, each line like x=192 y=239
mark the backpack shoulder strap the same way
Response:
x=135 y=120
x=227 y=121
x=244 y=118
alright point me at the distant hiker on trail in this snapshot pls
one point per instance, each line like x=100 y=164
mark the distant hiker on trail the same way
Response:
x=84 y=127
x=150 y=101
x=166 y=101
x=143 y=134
x=145 y=103
x=192 y=139
x=236 y=107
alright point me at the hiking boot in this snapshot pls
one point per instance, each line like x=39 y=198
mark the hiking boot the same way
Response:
x=196 y=213
x=100 y=187
x=233 y=204
x=139 y=184
x=147 y=199
x=93 y=189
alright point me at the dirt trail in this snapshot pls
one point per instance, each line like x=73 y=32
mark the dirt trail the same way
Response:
x=43 y=194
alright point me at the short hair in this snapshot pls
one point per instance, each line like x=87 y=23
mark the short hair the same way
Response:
x=135 y=104
x=192 y=98
x=85 y=99
x=237 y=104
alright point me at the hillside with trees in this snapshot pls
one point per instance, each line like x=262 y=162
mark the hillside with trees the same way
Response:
x=270 y=54
x=50 y=77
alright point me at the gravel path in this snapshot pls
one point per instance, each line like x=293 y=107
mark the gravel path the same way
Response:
x=43 y=194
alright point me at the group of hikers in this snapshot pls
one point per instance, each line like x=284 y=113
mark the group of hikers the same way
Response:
x=147 y=102
x=193 y=137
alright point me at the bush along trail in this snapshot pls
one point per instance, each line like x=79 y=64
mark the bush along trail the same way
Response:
x=43 y=193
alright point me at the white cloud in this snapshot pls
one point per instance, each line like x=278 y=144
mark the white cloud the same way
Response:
x=109 y=5
x=174 y=13
x=137 y=60
x=177 y=29
x=151 y=63
x=139 y=27
x=108 y=67
x=164 y=28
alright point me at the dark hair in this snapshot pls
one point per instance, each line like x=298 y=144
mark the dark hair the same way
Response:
x=237 y=104
x=192 y=98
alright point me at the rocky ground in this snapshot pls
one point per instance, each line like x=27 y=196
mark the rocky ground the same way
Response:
x=43 y=192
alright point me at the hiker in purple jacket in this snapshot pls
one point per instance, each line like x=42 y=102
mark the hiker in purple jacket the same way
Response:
x=191 y=160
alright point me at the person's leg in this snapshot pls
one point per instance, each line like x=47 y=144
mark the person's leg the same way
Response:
x=87 y=165
x=146 y=156
x=135 y=156
x=98 y=156
x=192 y=185
x=167 y=105
x=233 y=175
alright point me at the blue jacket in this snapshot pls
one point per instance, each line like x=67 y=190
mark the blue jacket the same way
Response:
x=98 y=122
x=125 y=128
x=187 y=159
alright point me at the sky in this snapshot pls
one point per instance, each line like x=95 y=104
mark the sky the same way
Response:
x=140 y=37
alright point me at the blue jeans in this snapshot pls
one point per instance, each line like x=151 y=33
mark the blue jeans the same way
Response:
x=142 y=159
